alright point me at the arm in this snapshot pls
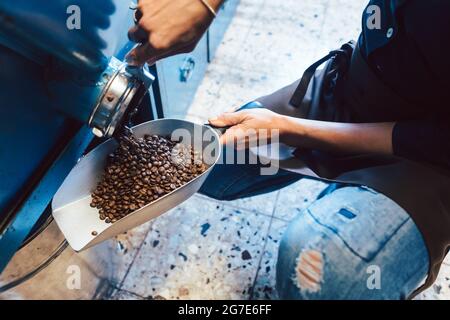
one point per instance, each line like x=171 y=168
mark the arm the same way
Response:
x=169 y=27
x=347 y=138
x=424 y=140
x=421 y=140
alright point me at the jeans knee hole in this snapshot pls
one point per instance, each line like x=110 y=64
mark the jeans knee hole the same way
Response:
x=309 y=271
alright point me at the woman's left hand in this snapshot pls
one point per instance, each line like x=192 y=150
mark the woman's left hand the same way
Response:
x=247 y=126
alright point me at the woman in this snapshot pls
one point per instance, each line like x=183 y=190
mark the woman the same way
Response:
x=375 y=121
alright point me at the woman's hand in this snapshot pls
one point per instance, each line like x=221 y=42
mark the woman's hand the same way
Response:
x=340 y=138
x=168 y=27
x=247 y=126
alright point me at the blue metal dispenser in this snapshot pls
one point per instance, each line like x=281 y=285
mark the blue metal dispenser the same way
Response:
x=63 y=80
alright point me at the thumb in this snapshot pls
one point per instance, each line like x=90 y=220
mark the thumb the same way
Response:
x=137 y=34
x=227 y=119
x=139 y=55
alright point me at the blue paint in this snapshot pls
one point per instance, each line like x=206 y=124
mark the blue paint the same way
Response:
x=205 y=228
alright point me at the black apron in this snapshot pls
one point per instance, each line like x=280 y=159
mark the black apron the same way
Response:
x=347 y=90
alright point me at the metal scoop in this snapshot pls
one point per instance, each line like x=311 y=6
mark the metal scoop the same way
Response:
x=81 y=224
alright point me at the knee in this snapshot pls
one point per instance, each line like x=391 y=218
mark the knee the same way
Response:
x=307 y=274
x=215 y=185
x=336 y=248
x=216 y=190
x=311 y=266
x=300 y=265
x=211 y=193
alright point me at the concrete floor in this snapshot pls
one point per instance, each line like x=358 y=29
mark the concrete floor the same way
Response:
x=206 y=249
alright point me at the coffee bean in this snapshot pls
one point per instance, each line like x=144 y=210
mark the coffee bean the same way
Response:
x=140 y=171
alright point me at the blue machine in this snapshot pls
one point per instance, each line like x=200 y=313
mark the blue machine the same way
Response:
x=62 y=85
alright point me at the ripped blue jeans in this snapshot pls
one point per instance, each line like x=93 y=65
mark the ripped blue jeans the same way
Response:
x=350 y=243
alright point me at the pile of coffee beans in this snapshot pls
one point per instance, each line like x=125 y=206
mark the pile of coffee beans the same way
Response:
x=140 y=171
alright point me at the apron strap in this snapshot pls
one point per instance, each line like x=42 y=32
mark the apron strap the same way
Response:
x=299 y=93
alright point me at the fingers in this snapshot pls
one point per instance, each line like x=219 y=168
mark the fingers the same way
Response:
x=167 y=27
x=236 y=136
x=241 y=137
x=147 y=53
x=140 y=55
x=137 y=34
x=227 y=119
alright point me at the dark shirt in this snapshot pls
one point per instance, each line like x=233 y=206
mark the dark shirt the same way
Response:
x=409 y=53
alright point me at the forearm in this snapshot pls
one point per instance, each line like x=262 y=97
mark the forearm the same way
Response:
x=346 y=138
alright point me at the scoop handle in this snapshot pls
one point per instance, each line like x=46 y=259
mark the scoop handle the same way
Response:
x=250 y=105
x=219 y=130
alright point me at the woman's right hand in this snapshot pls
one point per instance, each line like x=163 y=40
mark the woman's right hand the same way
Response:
x=168 y=27
x=249 y=126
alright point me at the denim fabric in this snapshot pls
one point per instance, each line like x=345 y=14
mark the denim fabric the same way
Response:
x=369 y=246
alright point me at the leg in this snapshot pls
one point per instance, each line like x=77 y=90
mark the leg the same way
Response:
x=234 y=181
x=352 y=243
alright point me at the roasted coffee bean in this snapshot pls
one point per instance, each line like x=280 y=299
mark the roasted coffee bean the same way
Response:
x=140 y=171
